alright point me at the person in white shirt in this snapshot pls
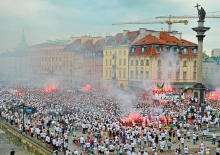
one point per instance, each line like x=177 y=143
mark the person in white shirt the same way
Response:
x=207 y=150
x=205 y=134
x=186 y=150
x=194 y=138
x=75 y=152
x=213 y=138
x=182 y=142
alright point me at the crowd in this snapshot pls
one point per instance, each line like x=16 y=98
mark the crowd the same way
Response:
x=106 y=125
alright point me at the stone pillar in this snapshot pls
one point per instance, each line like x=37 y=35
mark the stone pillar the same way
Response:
x=199 y=88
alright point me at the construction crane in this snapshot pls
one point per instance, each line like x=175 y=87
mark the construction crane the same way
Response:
x=186 y=16
x=168 y=22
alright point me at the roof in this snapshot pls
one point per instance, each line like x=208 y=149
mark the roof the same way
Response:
x=72 y=46
x=208 y=59
x=16 y=53
x=120 y=39
x=150 y=43
x=52 y=42
x=165 y=39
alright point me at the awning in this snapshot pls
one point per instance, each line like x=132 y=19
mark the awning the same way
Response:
x=182 y=85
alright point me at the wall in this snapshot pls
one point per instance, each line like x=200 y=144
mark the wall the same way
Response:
x=31 y=144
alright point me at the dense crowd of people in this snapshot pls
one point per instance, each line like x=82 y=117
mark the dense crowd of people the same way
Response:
x=107 y=122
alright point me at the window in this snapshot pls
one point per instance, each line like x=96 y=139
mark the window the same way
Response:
x=110 y=73
x=119 y=74
x=169 y=75
x=106 y=73
x=132 y=63
x=136 y=75
x=177 y=63
x=184 y=63
x=170 y=63
x=184 y=75
x=133 y=50
x=194 y=75
x=147 y=62
x=106 y=62
x=159 y=75
x=143 y=49
x=106 y=53
x=147 y=75
x=142 y=75
x=142 y=62
x=124 y=62
x=120 y=52
x=194 y=64
x=194 y=51
x=159 y=62
x=119 y=62
x=132 y=74
x=184 y=50
x=159 y=49
x=124 y=52
x=136 y=63
x=168 y=49
x=110 y=52
x=110 y=62
x=123 y=74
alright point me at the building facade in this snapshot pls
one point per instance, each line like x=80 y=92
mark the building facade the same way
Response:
x=162 y=57
x=14 y=65
x=93 y=64
x=115 y=57
x=215 y=52
x=45 y=59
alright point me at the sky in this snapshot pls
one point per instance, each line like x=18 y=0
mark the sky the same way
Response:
x=45 y=20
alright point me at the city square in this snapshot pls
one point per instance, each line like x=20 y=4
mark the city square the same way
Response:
x=144 y=91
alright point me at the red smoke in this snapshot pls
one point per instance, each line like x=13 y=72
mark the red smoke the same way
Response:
x=51 y=88
x=87 y=87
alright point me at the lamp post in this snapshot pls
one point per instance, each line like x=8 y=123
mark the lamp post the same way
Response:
x=23 y=106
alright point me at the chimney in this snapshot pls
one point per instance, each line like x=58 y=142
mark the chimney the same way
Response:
x=95 y=39
x=125 y=32
x=142 y=30
x=84 y=38
x=72 y=39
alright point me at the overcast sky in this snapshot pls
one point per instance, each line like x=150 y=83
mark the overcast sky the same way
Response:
x=57 y=19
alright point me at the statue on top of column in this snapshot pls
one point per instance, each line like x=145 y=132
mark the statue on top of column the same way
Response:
x=201 y=12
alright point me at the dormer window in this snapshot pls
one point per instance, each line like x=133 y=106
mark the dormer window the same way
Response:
x=133 y=50
x=159 y=49
x=184 y=50
x=194 y=51
x=143 y=49
x=168 y=49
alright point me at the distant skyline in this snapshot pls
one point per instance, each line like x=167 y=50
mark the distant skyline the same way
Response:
x=45 y=20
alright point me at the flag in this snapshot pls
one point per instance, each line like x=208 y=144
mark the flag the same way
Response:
x=160 y=86
x=179 y=98
x=185 y=88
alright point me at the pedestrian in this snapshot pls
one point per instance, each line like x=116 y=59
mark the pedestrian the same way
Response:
x=12 y=152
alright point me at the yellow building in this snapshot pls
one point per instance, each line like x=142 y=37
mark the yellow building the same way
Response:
x=45 y=59
x=115 y=57
x=162 y=57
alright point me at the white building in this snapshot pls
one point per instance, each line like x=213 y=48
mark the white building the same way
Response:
x=215 y=52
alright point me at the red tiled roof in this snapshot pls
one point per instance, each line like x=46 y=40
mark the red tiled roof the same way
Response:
x=165 y=39
x=119 y=38
x=72 y=46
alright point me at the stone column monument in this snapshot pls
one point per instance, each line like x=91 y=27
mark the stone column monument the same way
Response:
x=199 y=88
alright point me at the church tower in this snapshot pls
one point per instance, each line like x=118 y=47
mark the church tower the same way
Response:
x=23 y=45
